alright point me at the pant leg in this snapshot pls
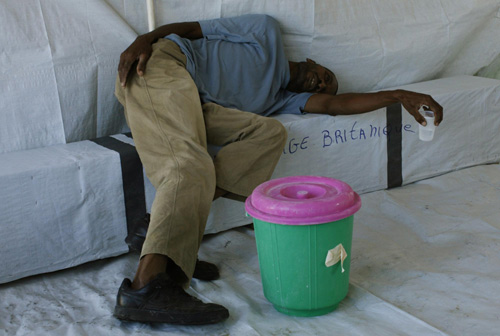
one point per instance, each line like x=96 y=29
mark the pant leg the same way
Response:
x=164 y=112
x=252 y=146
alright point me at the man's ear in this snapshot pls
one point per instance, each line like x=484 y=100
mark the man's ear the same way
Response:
x=310 y=61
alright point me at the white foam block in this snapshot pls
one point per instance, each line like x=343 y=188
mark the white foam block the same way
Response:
x=60 y=206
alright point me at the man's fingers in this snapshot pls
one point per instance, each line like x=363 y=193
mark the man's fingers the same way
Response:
x=141 y=65
x=139 y=51
x=433 y=106
x=438 y=112
x=413 y=102
x=438 y=115
x=419 y=118
x=414 y=110
x=123 y=70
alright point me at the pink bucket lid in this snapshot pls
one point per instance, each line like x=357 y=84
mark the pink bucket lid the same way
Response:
x=302 y=200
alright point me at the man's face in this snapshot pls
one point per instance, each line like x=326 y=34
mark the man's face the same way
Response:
x=312 y=77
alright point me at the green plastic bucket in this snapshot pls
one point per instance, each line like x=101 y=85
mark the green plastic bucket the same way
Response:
x=303 y=230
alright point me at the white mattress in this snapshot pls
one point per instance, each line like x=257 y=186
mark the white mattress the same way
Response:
x=354 y=148
x=335 y=147
x=424 y=262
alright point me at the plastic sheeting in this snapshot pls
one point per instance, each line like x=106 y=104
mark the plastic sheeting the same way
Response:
x=425 y=261
x=433 y=250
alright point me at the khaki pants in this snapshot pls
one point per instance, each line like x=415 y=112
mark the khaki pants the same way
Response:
x=171 y=129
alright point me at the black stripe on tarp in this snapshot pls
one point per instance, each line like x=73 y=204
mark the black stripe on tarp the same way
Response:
x=132 y=177
x=394 y=146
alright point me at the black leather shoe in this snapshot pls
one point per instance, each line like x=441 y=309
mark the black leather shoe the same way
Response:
x=163 y=301
x=203 y=270
x=135 y=238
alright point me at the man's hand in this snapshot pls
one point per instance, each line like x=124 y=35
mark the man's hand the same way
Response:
x=413 y=101
x=140 y=50
x=357 y=103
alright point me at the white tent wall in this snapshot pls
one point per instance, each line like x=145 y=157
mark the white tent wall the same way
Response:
x=58 y=62
x=391 y=42
x=57 y=70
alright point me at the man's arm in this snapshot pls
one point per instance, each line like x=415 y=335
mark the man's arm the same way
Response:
x=140 y=50
x=357 y=103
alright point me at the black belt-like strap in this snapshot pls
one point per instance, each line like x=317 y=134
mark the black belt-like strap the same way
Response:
x=394 y=146
x=132 y=177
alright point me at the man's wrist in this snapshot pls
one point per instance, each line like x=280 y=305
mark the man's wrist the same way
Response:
x=397 y=95
x=149 y=37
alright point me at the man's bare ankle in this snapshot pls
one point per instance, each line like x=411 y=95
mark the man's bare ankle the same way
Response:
x=142 y=280
x=149 y=267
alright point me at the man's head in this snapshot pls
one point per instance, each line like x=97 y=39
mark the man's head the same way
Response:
x=309 y=76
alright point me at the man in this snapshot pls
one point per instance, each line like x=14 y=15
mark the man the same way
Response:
x=198 y=81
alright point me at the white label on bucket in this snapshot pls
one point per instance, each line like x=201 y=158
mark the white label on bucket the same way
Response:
x=335 y=255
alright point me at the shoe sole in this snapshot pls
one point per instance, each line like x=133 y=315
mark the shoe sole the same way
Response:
x=140 y=315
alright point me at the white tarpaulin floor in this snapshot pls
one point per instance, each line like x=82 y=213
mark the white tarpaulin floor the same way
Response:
x=425 y=261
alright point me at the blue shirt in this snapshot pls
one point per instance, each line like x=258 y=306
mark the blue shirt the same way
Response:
x=240 y=63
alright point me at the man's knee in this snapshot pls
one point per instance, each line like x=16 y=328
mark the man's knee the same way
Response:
x=199 y=166
x=275 y=130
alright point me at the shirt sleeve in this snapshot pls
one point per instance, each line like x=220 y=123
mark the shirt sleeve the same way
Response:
x=290 y=103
